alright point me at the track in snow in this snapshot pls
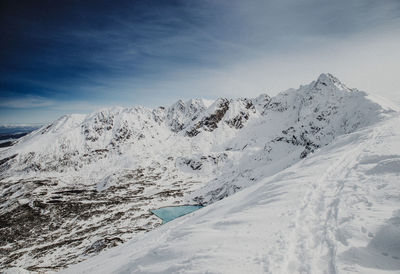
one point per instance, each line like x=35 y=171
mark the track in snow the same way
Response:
x=335 y=212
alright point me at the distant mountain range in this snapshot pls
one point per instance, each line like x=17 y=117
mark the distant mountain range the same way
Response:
x=18 y=128
x=11 y=132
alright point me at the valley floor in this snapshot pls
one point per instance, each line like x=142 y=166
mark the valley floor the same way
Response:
x=337 y=211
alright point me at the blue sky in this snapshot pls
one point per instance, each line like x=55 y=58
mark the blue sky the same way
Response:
x=60 y=57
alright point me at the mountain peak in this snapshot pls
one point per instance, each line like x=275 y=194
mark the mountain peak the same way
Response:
x=328 y=80
x=327 y=77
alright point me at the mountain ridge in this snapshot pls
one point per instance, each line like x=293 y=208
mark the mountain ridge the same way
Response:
x=333 y=212
x=95 y=177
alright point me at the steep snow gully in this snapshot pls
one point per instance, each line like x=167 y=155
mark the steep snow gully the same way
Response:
x=317 y=168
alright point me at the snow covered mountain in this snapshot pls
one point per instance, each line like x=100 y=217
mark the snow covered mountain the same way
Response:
x=84 y=184
x=337 y=211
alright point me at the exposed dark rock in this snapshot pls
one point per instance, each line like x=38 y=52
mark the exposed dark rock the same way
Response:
x=7 y=144
x=101 y=244
x=54 y=219
x=209 y=123
x=5 y=160
x=238 y=121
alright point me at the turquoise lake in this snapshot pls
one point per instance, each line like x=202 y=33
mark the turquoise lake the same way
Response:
x=170 y=213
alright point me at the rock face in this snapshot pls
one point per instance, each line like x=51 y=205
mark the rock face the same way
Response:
x=86 y=183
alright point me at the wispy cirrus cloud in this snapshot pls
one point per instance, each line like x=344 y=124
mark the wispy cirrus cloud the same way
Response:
x=26 y=102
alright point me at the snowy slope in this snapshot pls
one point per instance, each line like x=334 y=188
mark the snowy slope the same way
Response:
x=337 y=211
x=86 y=183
